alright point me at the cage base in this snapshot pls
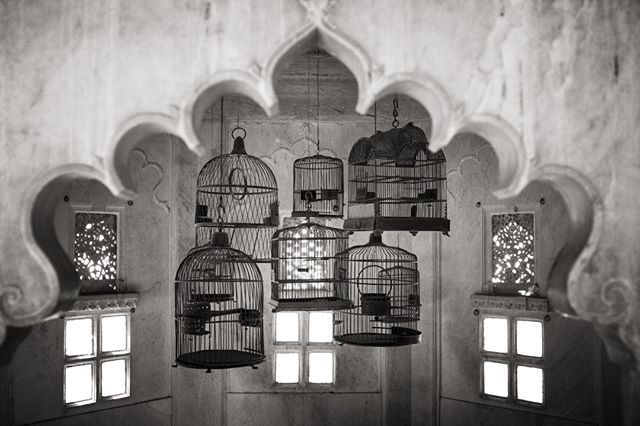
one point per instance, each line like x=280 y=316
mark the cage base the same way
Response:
x=411 y=224
x=408 y=337
x=311 y=304
x=220 y=358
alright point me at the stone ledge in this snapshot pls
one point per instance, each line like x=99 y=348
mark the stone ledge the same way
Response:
x=510 y=303
x=104 y=302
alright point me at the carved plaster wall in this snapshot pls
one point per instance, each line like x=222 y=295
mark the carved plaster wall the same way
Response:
x=553 y=89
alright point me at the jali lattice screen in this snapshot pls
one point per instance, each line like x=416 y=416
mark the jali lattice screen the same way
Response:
x=96 y=252
x=512 y=252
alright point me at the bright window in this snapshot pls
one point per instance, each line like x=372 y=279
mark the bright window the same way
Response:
x=304 y=353
x=496 y=378
x=96 y=357
x=287 y=367
x=495 y=333
x=520 y=358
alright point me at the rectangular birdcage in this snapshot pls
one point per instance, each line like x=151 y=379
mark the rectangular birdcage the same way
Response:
x=318 y=187
x=396 y=183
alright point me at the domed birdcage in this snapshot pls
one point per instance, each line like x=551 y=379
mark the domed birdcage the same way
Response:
x=238 y=192
x=219 y=298
x=384 y=285
x=396 y=183
x=304 y=268
x=318 y=187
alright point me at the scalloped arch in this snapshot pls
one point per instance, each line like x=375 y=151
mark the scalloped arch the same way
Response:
x=508 y=146
x=58 y=290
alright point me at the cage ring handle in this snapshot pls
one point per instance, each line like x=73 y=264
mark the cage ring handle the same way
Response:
x=238 y=195
x=244 y=135
x=386 y=271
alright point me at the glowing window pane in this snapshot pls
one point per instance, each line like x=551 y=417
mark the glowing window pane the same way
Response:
x=113 y=333
x=96 y=251
x=78 y=337
x=78 y=383
x=287 y=327
x=321 y=367
x=512 y=250
x=496 y=379
x=287 y=367
x=320 y=327
x=530 y=384
x=114 y=378
x=529 y=338
x=495 y=334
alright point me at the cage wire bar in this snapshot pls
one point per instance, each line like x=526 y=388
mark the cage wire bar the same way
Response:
x=396 y=183
x=219 y=308
x=318 y=187
x=242 y=190
x=304 y=268
x=383 y=282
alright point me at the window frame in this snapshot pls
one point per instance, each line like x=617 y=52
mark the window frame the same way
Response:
x=303 y=348
x=122 y=307
x=513 y=308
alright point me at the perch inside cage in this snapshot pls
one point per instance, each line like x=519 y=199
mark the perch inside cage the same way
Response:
x=318 y=187
x=304 y=268
x=219 y=309
x=396 y=183
x=242 y=190
x=383 y=282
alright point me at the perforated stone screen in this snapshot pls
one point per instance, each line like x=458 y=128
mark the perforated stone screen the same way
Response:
x=512 y=250
x=96 y=251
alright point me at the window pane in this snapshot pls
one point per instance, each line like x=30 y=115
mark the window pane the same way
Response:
x=287 y=367
x=320 y=327
x=78 y=383
x=495 y=335
x=529 y=338
x=530 y=384
x=287 y=327
x=114 y=378
x=321 y=367
x=78 y=336
x=496 y=378
x=114 y=333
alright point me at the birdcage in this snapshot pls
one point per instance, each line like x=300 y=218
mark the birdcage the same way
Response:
x=304 y=267
x=219 y=298
x=239 y=193
x=396 y=183
x=383 y=283
x=318 y=187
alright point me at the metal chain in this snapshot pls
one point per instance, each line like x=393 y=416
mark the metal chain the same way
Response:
x=395 y=112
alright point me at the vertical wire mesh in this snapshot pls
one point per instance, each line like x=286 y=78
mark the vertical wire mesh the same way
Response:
x=247 y=189
x=304 y=268
x=383 y=282
x=318 y=187
x=395 y=173
x=219 y=309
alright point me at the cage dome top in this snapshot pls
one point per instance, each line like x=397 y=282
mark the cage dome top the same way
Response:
x=400 y=145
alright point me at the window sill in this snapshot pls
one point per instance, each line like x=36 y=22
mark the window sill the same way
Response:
x=106 y=302
x=509 y=303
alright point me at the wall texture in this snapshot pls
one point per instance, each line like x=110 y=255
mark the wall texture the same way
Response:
x=552 y=86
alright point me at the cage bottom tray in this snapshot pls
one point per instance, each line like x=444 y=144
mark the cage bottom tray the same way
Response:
x=378 y=339
x=383 y=223
x=311 y=304
x=222 y=358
